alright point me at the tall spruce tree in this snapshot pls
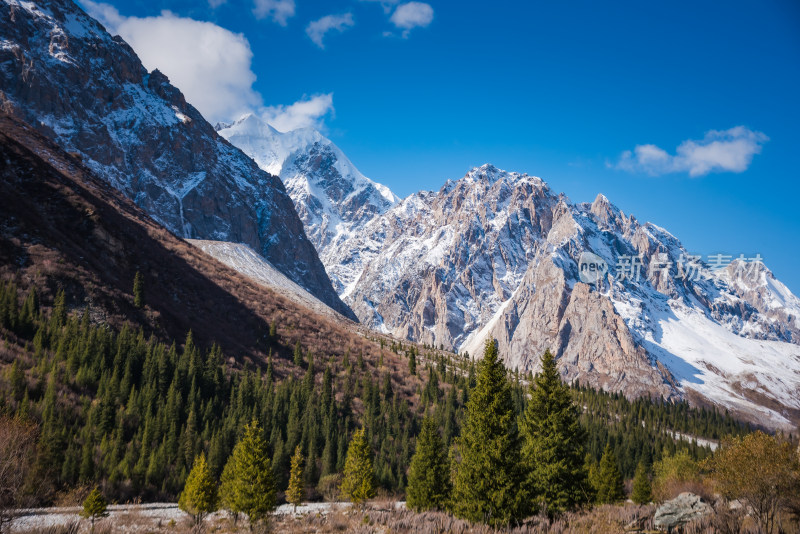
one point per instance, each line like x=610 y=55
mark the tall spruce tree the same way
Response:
x=429 y=483
x=553 y=444
x=488 y=478
x=358 y=484
x=298 y=354
x=642 y=489
x=199 y=495
x=608 y=483
x=248 y=483
x=296 y=491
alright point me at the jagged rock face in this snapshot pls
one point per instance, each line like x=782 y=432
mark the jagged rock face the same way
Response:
x=436 y=267
x=333 y=199
x=581 y=328
x=767 y=309
x=498 y=254
x=64 y=74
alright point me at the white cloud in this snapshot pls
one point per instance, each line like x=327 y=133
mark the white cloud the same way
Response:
x=308 y=112
x=317 y=29
x=412 y=15
x=278 y=10
x=209 y=64
x=213 y=4
x=719 y=151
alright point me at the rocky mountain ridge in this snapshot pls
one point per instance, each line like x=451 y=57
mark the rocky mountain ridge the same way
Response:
x=61 y=72
x=498 y=254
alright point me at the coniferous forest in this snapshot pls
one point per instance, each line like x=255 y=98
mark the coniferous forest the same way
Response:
x=131 y=413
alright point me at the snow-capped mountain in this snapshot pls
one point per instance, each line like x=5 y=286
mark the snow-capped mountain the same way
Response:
x=622 y=304
x=498 y=254
x=61 y=72
x=334 y=200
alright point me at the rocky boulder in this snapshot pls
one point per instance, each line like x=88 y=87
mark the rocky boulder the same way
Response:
x=683 y=509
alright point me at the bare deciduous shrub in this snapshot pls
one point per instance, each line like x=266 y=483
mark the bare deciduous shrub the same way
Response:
x=17 y=445
x=761 y=471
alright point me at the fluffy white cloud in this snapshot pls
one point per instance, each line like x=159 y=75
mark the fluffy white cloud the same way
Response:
x=317 y=29
x=278 y=10
x=719 y=151
x=412 y=15
x=209 y=64
x=305 y=113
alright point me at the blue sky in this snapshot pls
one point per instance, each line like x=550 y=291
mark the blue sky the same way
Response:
x=416 y=95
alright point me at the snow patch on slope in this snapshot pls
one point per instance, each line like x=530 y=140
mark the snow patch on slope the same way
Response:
x=727 y=369
x=246 y=261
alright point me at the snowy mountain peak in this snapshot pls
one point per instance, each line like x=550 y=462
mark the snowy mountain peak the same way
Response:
x=490 y=175
x=606 y=213
x=499 y=254
x=332 y=197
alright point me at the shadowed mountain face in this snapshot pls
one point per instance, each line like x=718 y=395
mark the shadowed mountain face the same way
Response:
x=61 y=72
x=64 y=228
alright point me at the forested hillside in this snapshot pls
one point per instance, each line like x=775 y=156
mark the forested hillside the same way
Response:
x=131 y=412
x=132 y=352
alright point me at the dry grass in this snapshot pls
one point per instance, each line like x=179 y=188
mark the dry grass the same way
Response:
x=384 y=517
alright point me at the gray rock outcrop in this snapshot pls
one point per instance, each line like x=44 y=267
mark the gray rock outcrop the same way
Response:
x=683 y=509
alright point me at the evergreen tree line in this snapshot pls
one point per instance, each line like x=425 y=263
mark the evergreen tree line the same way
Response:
x=509 y=463
x=132 y=413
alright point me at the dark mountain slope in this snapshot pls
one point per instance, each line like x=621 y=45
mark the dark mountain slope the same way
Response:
x=62 y=73
x=62 y=227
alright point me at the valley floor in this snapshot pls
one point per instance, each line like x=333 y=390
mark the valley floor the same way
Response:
x=376 y=517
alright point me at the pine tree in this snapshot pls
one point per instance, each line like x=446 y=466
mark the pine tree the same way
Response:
x=608 y=488
x=95 y=506
x=642 y=489
x=298 y=354
x=248 y=484
x=295 y=493
x=19 y=386
x=358 y=484
x=488 y=478
x=138 y=290
x=553 y=449
x=59 y=316
x=429 y=483
x=412 y=363
x=199 y=496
